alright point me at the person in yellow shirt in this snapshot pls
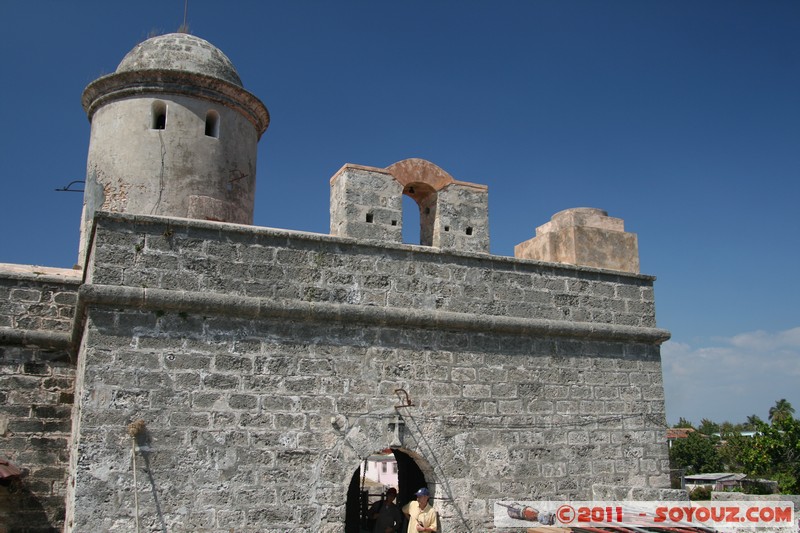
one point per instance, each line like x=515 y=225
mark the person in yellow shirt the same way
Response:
x=421 y=516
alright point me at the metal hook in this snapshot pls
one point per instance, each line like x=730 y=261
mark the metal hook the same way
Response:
x=404 y=402
x=71 y=183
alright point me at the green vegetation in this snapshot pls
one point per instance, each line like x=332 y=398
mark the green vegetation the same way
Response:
x=781 y=411
x=696 y=454
x=700 y=493
x=752 y=423
x=707 y=427
x=772 y=453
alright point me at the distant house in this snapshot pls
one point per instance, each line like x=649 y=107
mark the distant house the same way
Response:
x=717 y=481
x=740 y=433
x=382 y=469
x=674 y=434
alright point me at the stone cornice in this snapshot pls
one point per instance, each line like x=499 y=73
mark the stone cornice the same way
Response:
x=38 y=338
x=140 y=82
x=41 y=274
x=252 y=308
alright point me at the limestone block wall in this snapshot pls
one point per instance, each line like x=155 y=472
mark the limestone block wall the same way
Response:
x=183 y=255
x=36 y=392
x=264 y=364
x=36 y=303
x=462 y=223
x=366 y=204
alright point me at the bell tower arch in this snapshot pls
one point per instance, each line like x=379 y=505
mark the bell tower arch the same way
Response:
x=366 y=203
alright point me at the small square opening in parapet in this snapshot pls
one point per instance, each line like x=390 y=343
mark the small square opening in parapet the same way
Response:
x=369 y=218
x=394 y=222
x=469 y=230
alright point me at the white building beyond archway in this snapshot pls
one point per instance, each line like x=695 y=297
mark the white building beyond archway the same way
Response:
x=381 y=469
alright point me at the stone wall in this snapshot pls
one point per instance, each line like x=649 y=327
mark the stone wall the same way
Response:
x=36 y=392
x=181 y=255
x=264 y=365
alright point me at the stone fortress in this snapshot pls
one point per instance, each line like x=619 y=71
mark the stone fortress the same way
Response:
x=202 y=374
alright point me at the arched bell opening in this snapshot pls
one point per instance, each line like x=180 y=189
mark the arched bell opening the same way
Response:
x=424 y=197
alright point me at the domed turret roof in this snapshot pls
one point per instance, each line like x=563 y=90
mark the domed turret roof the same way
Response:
x=176 y=63
x=181 y=52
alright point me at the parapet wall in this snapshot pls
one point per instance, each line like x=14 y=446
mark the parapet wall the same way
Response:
x=36 y=392
x=148 y=252
x=37 y=304
x=264 y=364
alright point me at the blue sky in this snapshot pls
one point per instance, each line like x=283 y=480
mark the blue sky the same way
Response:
x=680 y=117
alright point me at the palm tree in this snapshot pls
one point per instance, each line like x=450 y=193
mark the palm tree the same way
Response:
x=708 y=427
x=781 y=411
x=752 y=422
x=726 y=429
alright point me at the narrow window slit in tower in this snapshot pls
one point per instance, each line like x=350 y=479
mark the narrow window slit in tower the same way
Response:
x=159 y=116
x=394 y=222
x=469 y=230
x=212 y=124
x=369 y=218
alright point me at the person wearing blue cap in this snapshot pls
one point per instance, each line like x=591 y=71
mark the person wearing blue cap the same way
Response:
x=421 y=516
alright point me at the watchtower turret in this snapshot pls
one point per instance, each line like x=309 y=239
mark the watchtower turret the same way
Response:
x=174 y=133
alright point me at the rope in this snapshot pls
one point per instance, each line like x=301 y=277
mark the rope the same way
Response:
x=135 y=485
x=134 y=430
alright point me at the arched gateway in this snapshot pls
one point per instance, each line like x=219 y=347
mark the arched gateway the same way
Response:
x=364 y=492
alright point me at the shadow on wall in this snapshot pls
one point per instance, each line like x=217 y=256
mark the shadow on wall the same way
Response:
x=21 y=510
x=141 y=441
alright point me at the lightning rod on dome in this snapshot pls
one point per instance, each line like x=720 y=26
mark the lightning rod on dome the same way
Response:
x=184 y=28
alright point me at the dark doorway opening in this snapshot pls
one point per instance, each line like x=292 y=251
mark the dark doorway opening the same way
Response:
x=409 y=479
